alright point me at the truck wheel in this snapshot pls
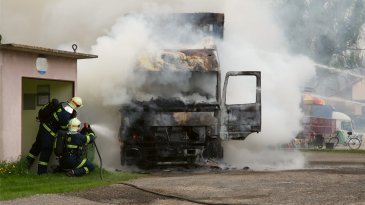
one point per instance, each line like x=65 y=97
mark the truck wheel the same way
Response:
x=122 y=156
x=191 y=160
x=143 y=164
x=124 y=160
x=213 y=149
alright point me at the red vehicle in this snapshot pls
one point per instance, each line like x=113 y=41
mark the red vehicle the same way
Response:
x=316 y=130
x=318 y=122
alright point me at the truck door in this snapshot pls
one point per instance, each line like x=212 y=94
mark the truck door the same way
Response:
x=241 y=104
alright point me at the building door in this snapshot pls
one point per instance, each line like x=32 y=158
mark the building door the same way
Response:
x=36 y=93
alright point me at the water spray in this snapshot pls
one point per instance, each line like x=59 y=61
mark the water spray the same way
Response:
x=335 y=70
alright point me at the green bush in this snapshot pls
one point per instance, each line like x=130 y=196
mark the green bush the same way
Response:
x=18 y=167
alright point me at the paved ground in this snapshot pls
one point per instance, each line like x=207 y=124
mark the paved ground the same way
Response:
x=329 y=178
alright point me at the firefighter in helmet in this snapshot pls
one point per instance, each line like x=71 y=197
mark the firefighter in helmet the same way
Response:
x=55 y=116
x=73 y=158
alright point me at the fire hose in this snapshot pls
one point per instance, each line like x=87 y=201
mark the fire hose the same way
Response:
x=100 y=160
x=87 y=125
x=181 y=198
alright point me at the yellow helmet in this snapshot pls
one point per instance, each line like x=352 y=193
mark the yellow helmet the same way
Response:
x=75 y=102
x=74 y=124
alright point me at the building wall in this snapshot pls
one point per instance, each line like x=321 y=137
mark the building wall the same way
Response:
x=16 y=65
x=358 y=94
x=1 y=107
x=358 y=90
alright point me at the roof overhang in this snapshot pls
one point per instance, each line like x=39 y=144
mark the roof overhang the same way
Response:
x=45 y=51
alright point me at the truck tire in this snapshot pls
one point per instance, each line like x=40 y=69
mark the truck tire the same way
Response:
x=122 y=155
x=213 y=149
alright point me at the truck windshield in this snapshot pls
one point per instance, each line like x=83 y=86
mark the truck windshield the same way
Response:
x=186 y=86
x=346 y=125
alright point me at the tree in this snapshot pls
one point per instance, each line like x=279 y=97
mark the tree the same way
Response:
x=328 y=31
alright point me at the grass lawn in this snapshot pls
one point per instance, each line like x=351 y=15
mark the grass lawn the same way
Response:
x=359 y=151
x=15 y=181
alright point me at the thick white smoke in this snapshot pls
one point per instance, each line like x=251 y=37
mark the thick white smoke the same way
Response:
x=246 y=46
x=252 y=41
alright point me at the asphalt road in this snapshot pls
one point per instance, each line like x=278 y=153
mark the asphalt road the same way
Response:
x=328 y=178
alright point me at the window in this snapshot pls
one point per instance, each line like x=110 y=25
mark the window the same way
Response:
x=346 y=125
x=43 y=94
x=241 y=90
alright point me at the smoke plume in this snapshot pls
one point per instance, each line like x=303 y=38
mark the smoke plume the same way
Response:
x=119 y=31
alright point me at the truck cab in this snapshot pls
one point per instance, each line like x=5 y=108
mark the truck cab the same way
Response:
x=180 y=114
x=343 y=121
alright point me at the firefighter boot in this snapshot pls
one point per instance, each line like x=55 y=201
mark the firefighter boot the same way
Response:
x=29 y=160
x=70 y=173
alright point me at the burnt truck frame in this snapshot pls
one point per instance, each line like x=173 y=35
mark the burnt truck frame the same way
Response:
x=171 y=131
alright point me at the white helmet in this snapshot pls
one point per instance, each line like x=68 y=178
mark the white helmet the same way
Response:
x=74 y=124
x=75 y=102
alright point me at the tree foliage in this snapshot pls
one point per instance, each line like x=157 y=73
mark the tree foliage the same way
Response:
x=329 y=31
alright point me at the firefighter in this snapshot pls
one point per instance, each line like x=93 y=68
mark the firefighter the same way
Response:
x=57 y=119
x=73 y=159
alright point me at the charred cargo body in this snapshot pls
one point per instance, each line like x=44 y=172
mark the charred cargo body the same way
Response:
x=180 y=114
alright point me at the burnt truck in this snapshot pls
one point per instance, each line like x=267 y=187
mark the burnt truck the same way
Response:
x=179 y=113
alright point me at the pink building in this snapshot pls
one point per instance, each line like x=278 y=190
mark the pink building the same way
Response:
x=30 y=77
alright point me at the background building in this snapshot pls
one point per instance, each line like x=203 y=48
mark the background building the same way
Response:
x=344 y=90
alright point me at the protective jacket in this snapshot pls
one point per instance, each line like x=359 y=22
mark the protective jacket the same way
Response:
x=44 y=143
x=74 y=158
